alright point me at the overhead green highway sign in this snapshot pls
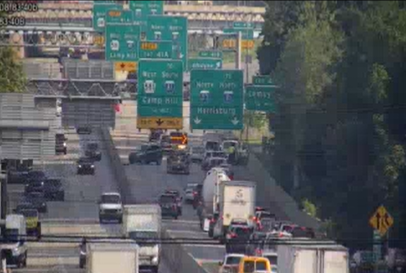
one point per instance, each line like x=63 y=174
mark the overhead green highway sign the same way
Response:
x=99 y=13
x=122 y=38
x=211 y=54
x=156 y=50
x=242 y=25
x=262 y=80
x=160 y=94
x=260 y=98
x=205 y=63
x=145 y=8
x=170 y=28
x=216 y=99
x=246 y=34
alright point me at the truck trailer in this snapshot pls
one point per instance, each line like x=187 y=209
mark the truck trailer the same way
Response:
x=112 y=257
x=312 y=256
x=142 y=223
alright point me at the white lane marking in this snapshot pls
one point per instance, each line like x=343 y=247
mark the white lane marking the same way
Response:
x=207 y=260
x=186 y=231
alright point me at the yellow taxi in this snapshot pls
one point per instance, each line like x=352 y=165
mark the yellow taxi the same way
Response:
x=254 y=265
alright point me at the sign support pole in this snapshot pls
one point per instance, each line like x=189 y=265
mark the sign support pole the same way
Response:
x=238 y=55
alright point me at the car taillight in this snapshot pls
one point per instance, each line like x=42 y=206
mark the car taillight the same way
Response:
x=174 y=206
x=212 y=220
x=194 y=193
x=258 y=252
x=231 y=177
x=280 y=235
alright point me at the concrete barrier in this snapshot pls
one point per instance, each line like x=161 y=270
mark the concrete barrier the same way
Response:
x=118 y=168
x=177 y=258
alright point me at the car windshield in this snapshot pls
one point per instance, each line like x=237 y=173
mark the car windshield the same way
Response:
x=216 y=162
x=232 y=260
x=35 y=195
x=242 y=231
x=167 y=199
x=92 y=146
x=85 y=161
x=219 y=154
x=53 y=182
x=110 y=199
x=21 y=207
x=228 y=144
x=260 y=265
x=29 y=212
x=198 y=150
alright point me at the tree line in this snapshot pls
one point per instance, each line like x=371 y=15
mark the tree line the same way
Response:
x=340 y=128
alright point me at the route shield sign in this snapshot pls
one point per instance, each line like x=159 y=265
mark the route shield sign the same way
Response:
x=262 y=80
x=211 y=54
x=170 y=28
x=205 y=63
x=216 y=99
x=260 y=98
x=156 y=50
x=100 y=9
x=160 y=94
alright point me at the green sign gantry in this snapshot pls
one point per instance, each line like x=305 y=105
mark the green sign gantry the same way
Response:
x=122 y=37
x=156 y=50
x=205 y=63
x=211 y=54
x=260 y=98
x=99 y=13
x=170 y=28
x=160 y=92
x=216 y=99
x=262 y=80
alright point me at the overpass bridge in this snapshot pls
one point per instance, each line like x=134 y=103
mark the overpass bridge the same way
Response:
x=200 y=17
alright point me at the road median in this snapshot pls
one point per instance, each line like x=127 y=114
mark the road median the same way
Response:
x=177 y=258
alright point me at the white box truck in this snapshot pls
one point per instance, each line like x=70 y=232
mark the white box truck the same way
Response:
x=13 y=246
x=237 y=201
x=142 y=223
x=210 y=196
x=311 y=256
x=112 y=257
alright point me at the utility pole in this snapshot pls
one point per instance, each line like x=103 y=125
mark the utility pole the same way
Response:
x=238 y=55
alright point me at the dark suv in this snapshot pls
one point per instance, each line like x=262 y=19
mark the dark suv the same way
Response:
x=93 y=152
x=169 y=205
x=86 y=166
x=237 y=237
x=148 y=153
x=22 y=176
x=60 y=144
x=52 y=188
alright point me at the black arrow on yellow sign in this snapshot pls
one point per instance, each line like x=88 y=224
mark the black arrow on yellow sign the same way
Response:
x=159 y=122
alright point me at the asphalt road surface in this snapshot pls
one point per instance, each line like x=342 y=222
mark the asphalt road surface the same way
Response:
x=80 y=206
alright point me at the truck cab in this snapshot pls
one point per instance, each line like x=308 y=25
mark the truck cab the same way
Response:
x=110 y=207
x=13 y=246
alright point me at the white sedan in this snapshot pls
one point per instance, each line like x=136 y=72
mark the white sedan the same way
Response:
x=230 y=263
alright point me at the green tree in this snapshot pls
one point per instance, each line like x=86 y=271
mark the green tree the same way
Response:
x=12 y=78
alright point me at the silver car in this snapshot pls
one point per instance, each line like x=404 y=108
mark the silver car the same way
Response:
x=197 y=154
x=190 y=191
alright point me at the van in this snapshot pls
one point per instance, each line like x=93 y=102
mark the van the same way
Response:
x=254 y=265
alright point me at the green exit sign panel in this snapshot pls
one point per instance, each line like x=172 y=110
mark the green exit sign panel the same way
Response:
x=243 y=25
x=216 y=99
x=100 y=9
x=211 y=54
x=170 y=28
x=200 y=63
x=246 y=34
x=145 y=8
x=160 y=88
x=156 y=50
x=262 y=80
x=260 y=98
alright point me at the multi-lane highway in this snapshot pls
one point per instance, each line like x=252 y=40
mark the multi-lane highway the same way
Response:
x=77 y=215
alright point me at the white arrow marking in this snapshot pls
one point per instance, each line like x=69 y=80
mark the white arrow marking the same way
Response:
x=235 y=121
x=197 y=120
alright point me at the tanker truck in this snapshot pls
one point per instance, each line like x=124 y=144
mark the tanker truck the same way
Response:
x=210 y=198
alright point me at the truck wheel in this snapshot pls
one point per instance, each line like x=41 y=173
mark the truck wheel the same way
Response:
x=211 y=233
